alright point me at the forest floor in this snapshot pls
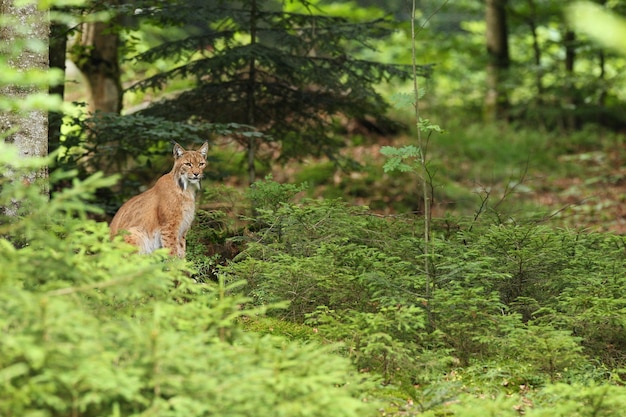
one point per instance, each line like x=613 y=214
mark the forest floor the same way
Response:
x=596 y=205
x=592 y=197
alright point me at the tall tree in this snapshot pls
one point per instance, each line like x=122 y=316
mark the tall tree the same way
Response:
x=57 y=54
x=497 y=40
x=570 y=93
x=24 y=36
x=531 y=19
x=286 y=72
x=96 y=54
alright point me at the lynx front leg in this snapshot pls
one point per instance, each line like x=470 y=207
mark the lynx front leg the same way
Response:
x=170 y=241
x=182 y=247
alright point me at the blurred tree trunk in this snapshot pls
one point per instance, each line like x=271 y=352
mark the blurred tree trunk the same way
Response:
x=570 y=51
x=27 y=130
x=497 y=39
x=57 y=54
x=250 y=96
x=601 y=77
x=571 y=103
x=532 y=24
x=96 y=55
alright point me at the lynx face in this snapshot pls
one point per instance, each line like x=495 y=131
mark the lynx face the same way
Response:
x=188 y=166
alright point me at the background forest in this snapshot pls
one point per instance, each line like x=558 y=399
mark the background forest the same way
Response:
x=411 y=208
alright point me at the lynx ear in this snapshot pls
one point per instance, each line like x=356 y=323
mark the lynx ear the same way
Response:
x=178 y=150
x=204 y=149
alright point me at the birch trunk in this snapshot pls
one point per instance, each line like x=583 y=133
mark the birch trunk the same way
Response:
x=27 y=130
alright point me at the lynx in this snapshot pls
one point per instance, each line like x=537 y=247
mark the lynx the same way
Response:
x=161 y=216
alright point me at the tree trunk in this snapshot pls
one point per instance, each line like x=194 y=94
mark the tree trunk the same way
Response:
x=571 y=103
x=569 y=40
x=28 y=130
x=532 y=24
x=537 y=53
x=57 y=52
x=497 y=39
x=603 y=88
x=250 y=99
x=97 y=58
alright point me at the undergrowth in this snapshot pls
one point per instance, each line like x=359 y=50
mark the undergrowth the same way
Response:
x=517 y=310
x=320 y=308
x=91 y=328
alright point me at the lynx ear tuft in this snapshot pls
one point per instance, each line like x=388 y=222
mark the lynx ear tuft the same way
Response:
x=178 y=150
x=204 y=149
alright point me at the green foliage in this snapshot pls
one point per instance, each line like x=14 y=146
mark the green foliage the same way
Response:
x=90 y=328
x=398 y=155
x=543 y=89
x=109 y=136
x=472 y=165
x=404 y=100
x=317 y=174
x=275 y=326
x=381 y=341
x=268 y=195
x=530 y=254
x=584 y=401
x=600 y=25
x=467 y=319
x=556 y=400
x=25 y=88
x=203 y=241
x=134 y=144
x=285 y=68
x=554 y=351
x=426 y=126
x=409 y=158
x=520 y=317
x=514 y=309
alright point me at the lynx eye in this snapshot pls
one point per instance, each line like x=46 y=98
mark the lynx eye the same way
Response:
x=188 y=164
x=202 y=164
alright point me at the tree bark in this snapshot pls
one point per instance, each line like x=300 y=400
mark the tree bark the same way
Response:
x=571 y=103
x=27 y=130
x=57 y=54
x=97 y=58
x=497 y=40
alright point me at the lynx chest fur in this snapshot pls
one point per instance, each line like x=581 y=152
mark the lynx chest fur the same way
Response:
x=161 y=216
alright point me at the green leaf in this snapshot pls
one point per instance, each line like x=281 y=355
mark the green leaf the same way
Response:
x=402 y=100
x=426 y=126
